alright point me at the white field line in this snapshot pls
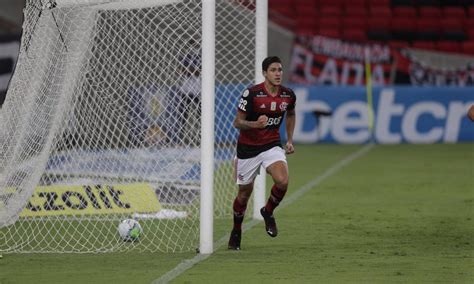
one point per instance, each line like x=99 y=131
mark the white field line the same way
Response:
x=188 y=263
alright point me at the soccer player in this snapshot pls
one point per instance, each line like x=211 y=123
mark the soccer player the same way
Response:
x=259 y=115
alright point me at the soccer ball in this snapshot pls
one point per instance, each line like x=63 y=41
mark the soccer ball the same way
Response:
x=130 y=230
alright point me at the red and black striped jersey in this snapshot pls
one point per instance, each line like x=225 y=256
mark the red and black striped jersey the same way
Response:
x=254 y=102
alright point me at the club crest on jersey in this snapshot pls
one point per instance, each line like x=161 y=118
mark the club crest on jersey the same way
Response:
x=283 y=106
x=245 y=94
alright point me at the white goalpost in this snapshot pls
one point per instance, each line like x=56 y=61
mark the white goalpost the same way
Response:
x=123 y=109
x=261 y=36
x=207 y=127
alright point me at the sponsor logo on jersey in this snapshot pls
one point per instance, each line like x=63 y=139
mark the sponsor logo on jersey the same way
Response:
x=273 y=106
x=245 y=94
x=263 y=106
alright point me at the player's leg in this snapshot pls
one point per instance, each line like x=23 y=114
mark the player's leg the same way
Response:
x=276 y=166
x=279 y=173
x=240 y=204
x=239 y=207
x=245 y=172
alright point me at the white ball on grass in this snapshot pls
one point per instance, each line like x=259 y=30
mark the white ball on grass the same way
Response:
x=130 y=230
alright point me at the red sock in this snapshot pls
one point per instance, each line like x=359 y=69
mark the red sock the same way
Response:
x=276 y=196
x=239 y=213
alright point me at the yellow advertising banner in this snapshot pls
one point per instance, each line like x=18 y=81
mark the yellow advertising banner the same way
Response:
x=91 y=199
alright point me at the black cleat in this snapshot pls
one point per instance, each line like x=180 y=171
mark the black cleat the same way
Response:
x=234 y=240
x=270 y=224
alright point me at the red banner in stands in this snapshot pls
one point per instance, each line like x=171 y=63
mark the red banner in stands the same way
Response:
x=325 y=61
x=320 y=60
x=414 y=71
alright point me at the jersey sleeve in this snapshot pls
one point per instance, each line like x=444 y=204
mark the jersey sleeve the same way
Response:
x=292 y=105
x=245 y=102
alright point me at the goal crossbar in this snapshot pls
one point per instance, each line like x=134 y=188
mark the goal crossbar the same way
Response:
x=112 y=4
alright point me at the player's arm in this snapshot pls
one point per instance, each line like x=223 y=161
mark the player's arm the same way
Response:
x=290 y=128
x=240 y=121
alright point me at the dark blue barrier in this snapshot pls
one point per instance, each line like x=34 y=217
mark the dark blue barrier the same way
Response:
x=402 y=115
x=226 y=108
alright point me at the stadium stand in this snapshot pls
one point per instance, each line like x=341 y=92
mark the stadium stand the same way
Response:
x=468 y=47
x=424 y=44
x=9 y=31
x=441 y=25
x=7 y=27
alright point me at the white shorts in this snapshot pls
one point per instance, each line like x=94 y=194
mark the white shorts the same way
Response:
x=247 y=169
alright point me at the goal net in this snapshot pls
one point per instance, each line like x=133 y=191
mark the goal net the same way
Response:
x=102 y=123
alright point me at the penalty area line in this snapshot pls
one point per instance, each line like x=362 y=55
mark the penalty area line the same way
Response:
x=188 y=263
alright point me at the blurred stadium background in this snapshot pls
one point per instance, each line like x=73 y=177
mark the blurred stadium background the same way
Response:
x=412 y=43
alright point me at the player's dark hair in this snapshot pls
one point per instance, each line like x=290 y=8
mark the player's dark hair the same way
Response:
x=269 y=60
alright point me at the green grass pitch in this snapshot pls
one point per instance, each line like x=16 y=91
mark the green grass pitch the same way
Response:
x=398 y=214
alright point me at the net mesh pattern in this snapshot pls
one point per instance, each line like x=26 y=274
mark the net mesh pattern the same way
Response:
x=102 y=123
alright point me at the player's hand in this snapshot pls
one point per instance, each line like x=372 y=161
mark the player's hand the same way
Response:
x=470 y=113
x=261 y=121
x=289 y=148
